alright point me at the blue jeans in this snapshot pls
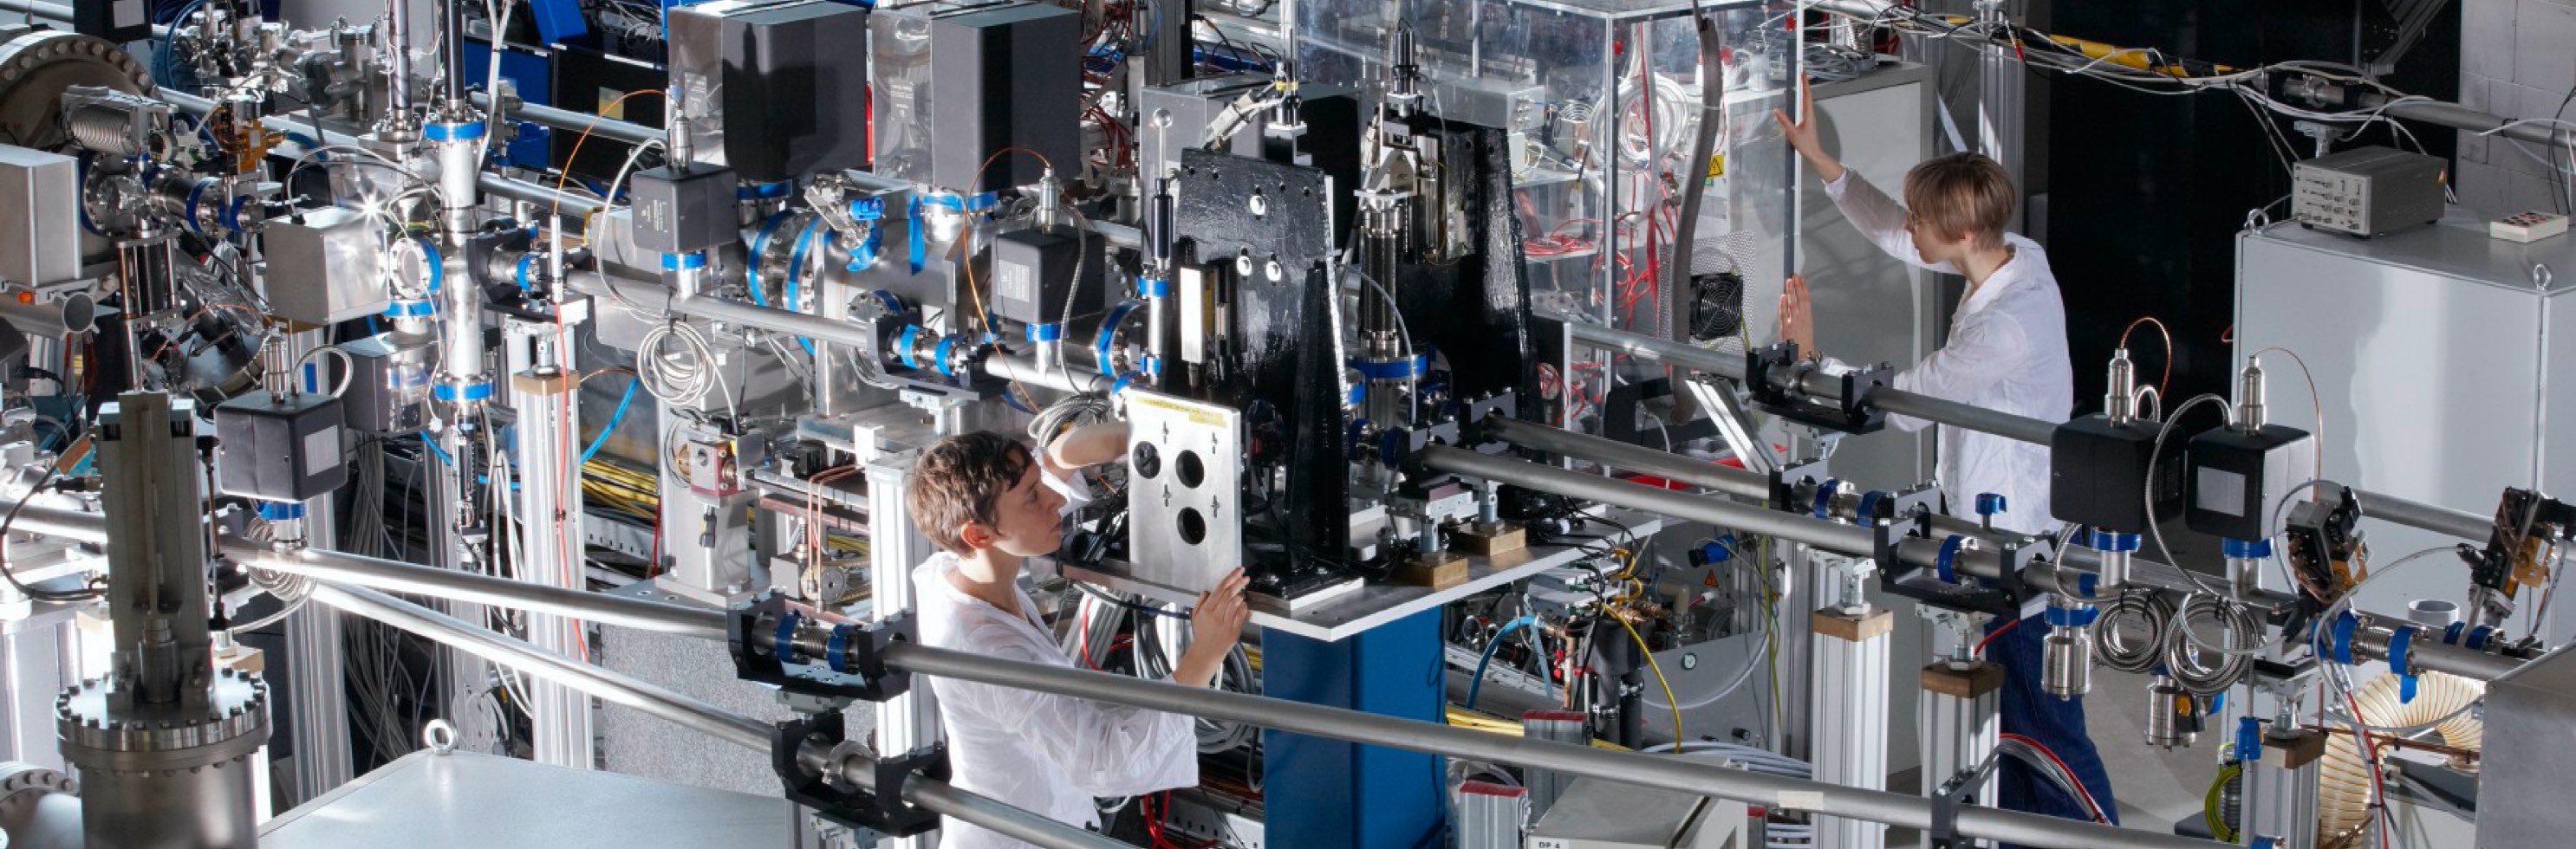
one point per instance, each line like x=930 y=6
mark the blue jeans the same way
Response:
x=2056 y=723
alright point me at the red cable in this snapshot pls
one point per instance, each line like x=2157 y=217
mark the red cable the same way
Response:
x=1980 y=650
x=2083 y=794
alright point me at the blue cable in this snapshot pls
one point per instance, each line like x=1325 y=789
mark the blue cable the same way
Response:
x=436 y=451
x=613 y=419
x=1477 y=683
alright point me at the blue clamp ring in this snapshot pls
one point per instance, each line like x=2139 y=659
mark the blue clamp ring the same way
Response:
x=2479 y=636
x=2400 y=646
x=452 y=392
x=232 y=213
x=903 y=345
x=2238 y=549
x=939 y=355
x=836 y=650
x=1825 y=497
x=1356 y=394
x=867 y=209
x=2110 y=541
x=1396 y=369
x=2069 y=617
x=1153 y=366
x=1869 y=505
x=467 y=131
x=409 y=309
x=1152 y=287
x=1941 y=563
x=1109 y=329
x=1047 y=332
x=2249 y=739
x=763 y=191
x=277 y=510
x=893 y=305
x=693 y=259
x=521 y=271
x=786 y=635
x=1121 y=385
x=195 y=191
x=2341 y=649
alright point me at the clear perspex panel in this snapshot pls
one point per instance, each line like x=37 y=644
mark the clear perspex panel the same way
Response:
x=1603 y=98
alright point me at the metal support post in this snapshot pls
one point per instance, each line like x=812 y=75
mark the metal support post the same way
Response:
x=910 y=721
x=550 y=523
x=2281 y=787
x=1961 y=710
x=1849 y=698
x=314 y=662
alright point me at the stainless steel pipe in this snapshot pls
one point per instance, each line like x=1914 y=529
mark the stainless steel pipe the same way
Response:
x=1634 y=458
x=612 y=129
x=1833 y=536
x=692 y=714
x=419 y=580
x=1684 y=775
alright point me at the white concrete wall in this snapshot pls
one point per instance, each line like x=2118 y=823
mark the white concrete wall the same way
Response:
x=2517 y=59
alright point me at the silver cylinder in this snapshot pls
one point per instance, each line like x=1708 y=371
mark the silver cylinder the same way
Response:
x=2433 y=613
x=2120 y=395
x=2112 y=574
x=2249 y=398
x=74 y=312
x=166 y=776
x=2166 y=711
x=2066 y=663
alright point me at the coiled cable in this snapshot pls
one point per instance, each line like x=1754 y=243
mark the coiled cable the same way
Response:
x=680 y=375
x=2187 y=662
x=2130 y=635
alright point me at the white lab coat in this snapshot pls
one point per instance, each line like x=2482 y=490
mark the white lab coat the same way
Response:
x=2006 y=351
x=1037 y=751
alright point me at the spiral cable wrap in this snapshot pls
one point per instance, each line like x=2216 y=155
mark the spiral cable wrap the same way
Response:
x=2131 y=634
x=2186 y=659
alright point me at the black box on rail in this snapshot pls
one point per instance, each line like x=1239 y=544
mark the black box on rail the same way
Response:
x=680 y=212
x=1035 y=270
x=2238 y=477
x=2098 y=474
x=279 y=447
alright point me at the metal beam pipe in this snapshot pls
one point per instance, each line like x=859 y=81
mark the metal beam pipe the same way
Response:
x=495 y=185
x=2429 y=653
x=1063 y=378
x=612 y=129
x=1832 y=536
x=1707 y=360
x=2417 y=514
x=1635 y=458
x=692 y=714
x=1689 y=776
x=417 y=580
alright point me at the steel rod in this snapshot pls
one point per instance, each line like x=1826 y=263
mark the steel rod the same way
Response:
x=1634 y=458
x=626 y=132
x=1714 y=510
x=1689 y=776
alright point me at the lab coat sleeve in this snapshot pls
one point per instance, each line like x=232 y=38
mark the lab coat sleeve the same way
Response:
x=1880 y=218
x=1983 y=350
x=1108 y=750
x=1073 y=486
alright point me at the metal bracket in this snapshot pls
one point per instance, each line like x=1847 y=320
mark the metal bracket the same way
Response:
x=879 y=808
x=1958 y=792
x=781 y=643
x=1772 y=375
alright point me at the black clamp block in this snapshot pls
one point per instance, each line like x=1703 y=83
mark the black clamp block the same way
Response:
x=1773 y=374
x=1959 y=792
x=880 y=809
x=778 y=642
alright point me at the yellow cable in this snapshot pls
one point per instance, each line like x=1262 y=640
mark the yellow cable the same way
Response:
x=1669 y=701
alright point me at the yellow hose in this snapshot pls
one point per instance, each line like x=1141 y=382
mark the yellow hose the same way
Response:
x=2343 y=779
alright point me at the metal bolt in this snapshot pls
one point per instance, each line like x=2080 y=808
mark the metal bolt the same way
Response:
x=1243 y=263
x=1260 y=204
x=1273 y=270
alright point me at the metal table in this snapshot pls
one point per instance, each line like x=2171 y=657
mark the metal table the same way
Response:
x=1378 y=604
x=433 y=801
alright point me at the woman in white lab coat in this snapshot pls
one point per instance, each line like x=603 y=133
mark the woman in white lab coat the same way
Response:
x=990 y=504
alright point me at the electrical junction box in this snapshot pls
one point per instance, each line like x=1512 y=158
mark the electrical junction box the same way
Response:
x=960 y=80
x=2098 y=474
x=324 y=266
x=682 y=212
x=2238 y=476
x=1033 y=275
x=773 y=90
x=39 y=216
x=2370 y=191
x=279 y=447
x=388 y=392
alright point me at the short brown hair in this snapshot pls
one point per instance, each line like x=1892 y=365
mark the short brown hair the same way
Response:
x=959 y=480
x=1962 y=195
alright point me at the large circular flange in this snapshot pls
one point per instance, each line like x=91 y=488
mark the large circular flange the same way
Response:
x=233 y=722
x=20 y=780
x=38 y=65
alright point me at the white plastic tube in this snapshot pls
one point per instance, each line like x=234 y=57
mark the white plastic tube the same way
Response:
x=2343 y=780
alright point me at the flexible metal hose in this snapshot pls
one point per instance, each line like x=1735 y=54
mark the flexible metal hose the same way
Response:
x=2343 y=779
x=2130 y=636
x=102 y=130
